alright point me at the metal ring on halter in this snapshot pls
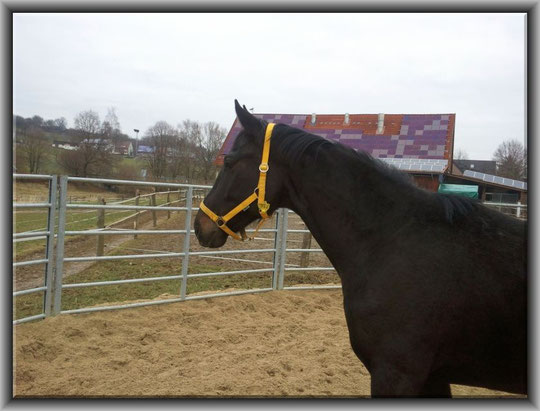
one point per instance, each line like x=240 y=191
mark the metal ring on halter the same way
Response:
x=264 y=167
x=220 y=222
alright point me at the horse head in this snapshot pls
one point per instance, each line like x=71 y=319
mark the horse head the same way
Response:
x=236 y=198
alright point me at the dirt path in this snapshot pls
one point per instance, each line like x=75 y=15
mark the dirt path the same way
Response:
x=274 y=344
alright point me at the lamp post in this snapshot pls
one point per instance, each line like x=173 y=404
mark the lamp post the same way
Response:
x=136 y=140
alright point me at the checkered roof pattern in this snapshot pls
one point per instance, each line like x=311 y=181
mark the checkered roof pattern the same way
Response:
x=423 y=137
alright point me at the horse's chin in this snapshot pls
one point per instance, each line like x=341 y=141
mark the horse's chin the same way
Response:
x=213 y=238
x=213 y=241
x=208 y=234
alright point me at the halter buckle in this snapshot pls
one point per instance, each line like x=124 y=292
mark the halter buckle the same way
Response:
x=264 y=167
x=263 y=207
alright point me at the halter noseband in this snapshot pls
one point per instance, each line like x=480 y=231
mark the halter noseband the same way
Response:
x=258 y=194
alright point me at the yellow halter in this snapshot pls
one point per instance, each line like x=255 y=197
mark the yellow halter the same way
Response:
x=258 y=194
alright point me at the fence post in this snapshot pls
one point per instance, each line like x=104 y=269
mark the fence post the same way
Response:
x=306 y=244
x=136 y=220
x=518 y=212
x=185 y=260
x=168 y=201
x=283 y=248
x=100 y=224
x=59 y=272
x=51 y=223
x=153 y=203
x=277 y=247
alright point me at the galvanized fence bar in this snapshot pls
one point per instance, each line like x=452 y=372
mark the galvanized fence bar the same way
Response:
x=277 y=255
x=135 y=183
x=164 y=278
x=32 y=177
x=123 y=232
x=120 y=231
x=125 y=207
x=117 y=282
x=49 y=250
x=26 y=234
x=309 y=268
x=120 y=257
x=59 y=272
x=187 y=237
x=282 y=249
x=31 y=262
x=314 y=287
x=218 y=273
x=29 y=291
x=31 y=205
x=303 y=250
x=28 y=319
x=167 y=301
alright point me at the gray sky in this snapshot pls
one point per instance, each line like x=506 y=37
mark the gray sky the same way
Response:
x=172 y=67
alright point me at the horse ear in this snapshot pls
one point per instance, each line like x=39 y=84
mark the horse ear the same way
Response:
x=251 y=124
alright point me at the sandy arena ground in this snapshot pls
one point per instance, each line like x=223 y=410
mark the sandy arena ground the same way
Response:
x=274 y=344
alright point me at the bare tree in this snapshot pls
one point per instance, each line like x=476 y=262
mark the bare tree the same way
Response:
x=60 y=123
x=111 y=126
x=511 y=160
x=34 y=148
x=72 y=162
x=90 y=159
x=191 y=132
x=461 y=154
x=177 y=156
x=88 y=123
x=160 y=137
x=211 y=140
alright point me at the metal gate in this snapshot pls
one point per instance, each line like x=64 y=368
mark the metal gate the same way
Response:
x=55 y=258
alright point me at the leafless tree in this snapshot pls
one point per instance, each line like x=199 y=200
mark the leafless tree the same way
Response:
x=211 y=140
x=111 y=126
x=34 y=147
x=60 y=123
x=511 y=158
x=88 y=123
x=191 y=132
x=160 y=137
x=90 y=159
x=177 y=157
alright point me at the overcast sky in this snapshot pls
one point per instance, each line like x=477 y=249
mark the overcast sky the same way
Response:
x=173 y=67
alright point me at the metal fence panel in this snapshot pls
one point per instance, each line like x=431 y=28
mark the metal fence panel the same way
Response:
x=49 y=245
x=54 y=282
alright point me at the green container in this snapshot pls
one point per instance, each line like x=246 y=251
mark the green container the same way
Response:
x=459 y=189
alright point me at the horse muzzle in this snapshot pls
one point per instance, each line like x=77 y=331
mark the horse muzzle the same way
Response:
x=207 y=232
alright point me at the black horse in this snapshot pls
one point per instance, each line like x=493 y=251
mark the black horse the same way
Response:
x=434 y=286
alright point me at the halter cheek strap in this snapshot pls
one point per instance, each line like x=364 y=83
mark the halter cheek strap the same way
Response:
x=258 y=194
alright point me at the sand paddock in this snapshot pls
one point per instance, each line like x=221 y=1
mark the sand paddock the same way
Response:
x=274 y=344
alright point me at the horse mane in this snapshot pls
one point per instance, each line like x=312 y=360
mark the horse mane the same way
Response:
x=294 y=144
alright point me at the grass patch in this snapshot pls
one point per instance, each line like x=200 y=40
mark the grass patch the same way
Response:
x=28 y=305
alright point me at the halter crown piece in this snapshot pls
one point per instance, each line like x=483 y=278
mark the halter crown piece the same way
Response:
x=258 y=194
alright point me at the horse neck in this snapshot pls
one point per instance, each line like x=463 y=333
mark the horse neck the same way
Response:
x=344 y=206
